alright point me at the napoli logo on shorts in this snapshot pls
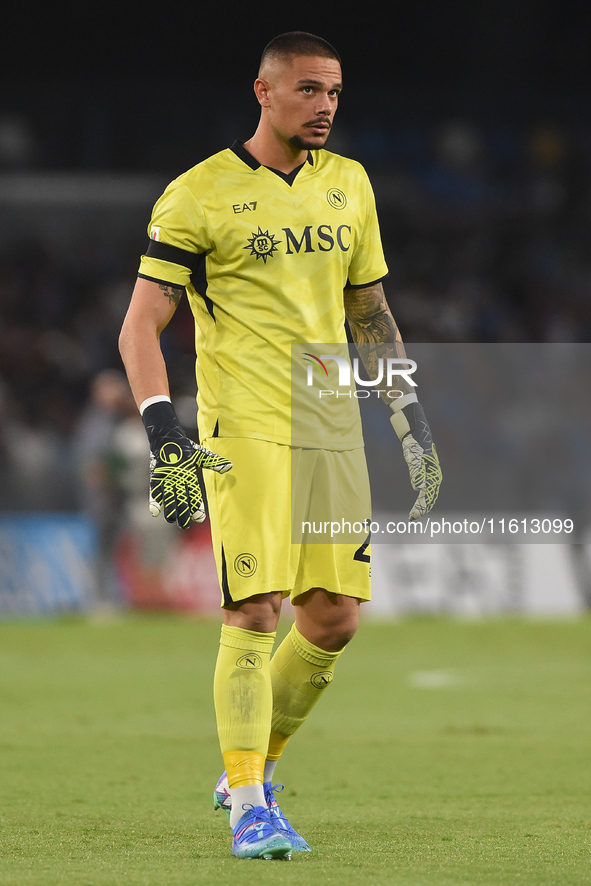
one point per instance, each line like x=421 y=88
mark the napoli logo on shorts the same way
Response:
x=336 y=198
x=250 y=662
x=245 y=565
x=262 y=245
x=321 y=679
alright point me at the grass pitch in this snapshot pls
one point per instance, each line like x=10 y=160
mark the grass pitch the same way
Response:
x=445 y=753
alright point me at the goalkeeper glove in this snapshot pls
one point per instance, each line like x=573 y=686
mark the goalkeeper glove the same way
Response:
x=174 y=459
x=419 y=452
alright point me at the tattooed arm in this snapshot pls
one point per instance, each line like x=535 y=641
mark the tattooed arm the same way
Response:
x=376 y=335
x=374 y=330
x=151 y=308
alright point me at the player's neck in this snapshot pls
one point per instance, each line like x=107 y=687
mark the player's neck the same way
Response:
x=270 y=151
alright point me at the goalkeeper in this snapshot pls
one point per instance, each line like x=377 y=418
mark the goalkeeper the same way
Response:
x=274 y=241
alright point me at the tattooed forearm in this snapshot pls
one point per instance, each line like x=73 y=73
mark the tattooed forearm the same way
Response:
x=374 y=329
x=369 y=315
x=173 y=293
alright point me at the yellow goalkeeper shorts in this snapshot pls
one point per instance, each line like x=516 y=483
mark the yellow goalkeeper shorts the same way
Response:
x=289 y=520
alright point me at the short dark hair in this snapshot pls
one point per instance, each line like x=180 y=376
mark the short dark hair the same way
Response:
x=298 y=43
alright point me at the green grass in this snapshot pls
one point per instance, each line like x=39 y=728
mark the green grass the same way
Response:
x=445 y=753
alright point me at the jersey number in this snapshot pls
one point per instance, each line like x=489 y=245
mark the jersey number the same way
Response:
x=360 y=552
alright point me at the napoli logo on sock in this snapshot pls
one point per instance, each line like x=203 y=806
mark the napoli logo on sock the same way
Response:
x=250 y=662
x=321 y=679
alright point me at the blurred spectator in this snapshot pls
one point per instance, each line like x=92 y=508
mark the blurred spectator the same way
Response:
x=102 y=469
x=17 y=143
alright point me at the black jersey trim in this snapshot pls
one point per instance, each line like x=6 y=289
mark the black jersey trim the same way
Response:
x=225 y=585
x=251 y=161
x=173 y=254
x=163 y=282
x=350 y=285
x=288 y=177
x=245 y=155
x=199 y=281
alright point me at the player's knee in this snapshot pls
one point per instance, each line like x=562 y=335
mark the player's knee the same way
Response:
x=327 y=620
x=339 y=635
x=258 y=613
x=334 y=633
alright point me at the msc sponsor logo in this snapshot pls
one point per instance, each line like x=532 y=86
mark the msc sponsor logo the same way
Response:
x=250 y=662
x=321 y=679
x=245 y=565
x=323 y=238
x=262 y=244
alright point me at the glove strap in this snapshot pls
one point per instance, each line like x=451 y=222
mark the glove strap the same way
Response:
x=161 y=424
x=411 y=420
x=158 y=398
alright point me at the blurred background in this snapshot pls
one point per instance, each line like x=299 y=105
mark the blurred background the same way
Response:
x=473 y=120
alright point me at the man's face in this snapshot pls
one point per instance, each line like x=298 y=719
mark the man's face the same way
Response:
x=301 y=99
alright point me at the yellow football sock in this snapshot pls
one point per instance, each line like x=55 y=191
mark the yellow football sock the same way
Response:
x=243 y=700
x=300 y=672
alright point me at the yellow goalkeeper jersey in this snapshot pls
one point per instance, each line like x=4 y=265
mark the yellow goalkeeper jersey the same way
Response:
x=264 y=258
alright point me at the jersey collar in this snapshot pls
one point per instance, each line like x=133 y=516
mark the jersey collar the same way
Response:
x=251 y=161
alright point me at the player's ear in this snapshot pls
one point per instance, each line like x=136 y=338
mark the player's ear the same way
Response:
x=262 y=89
